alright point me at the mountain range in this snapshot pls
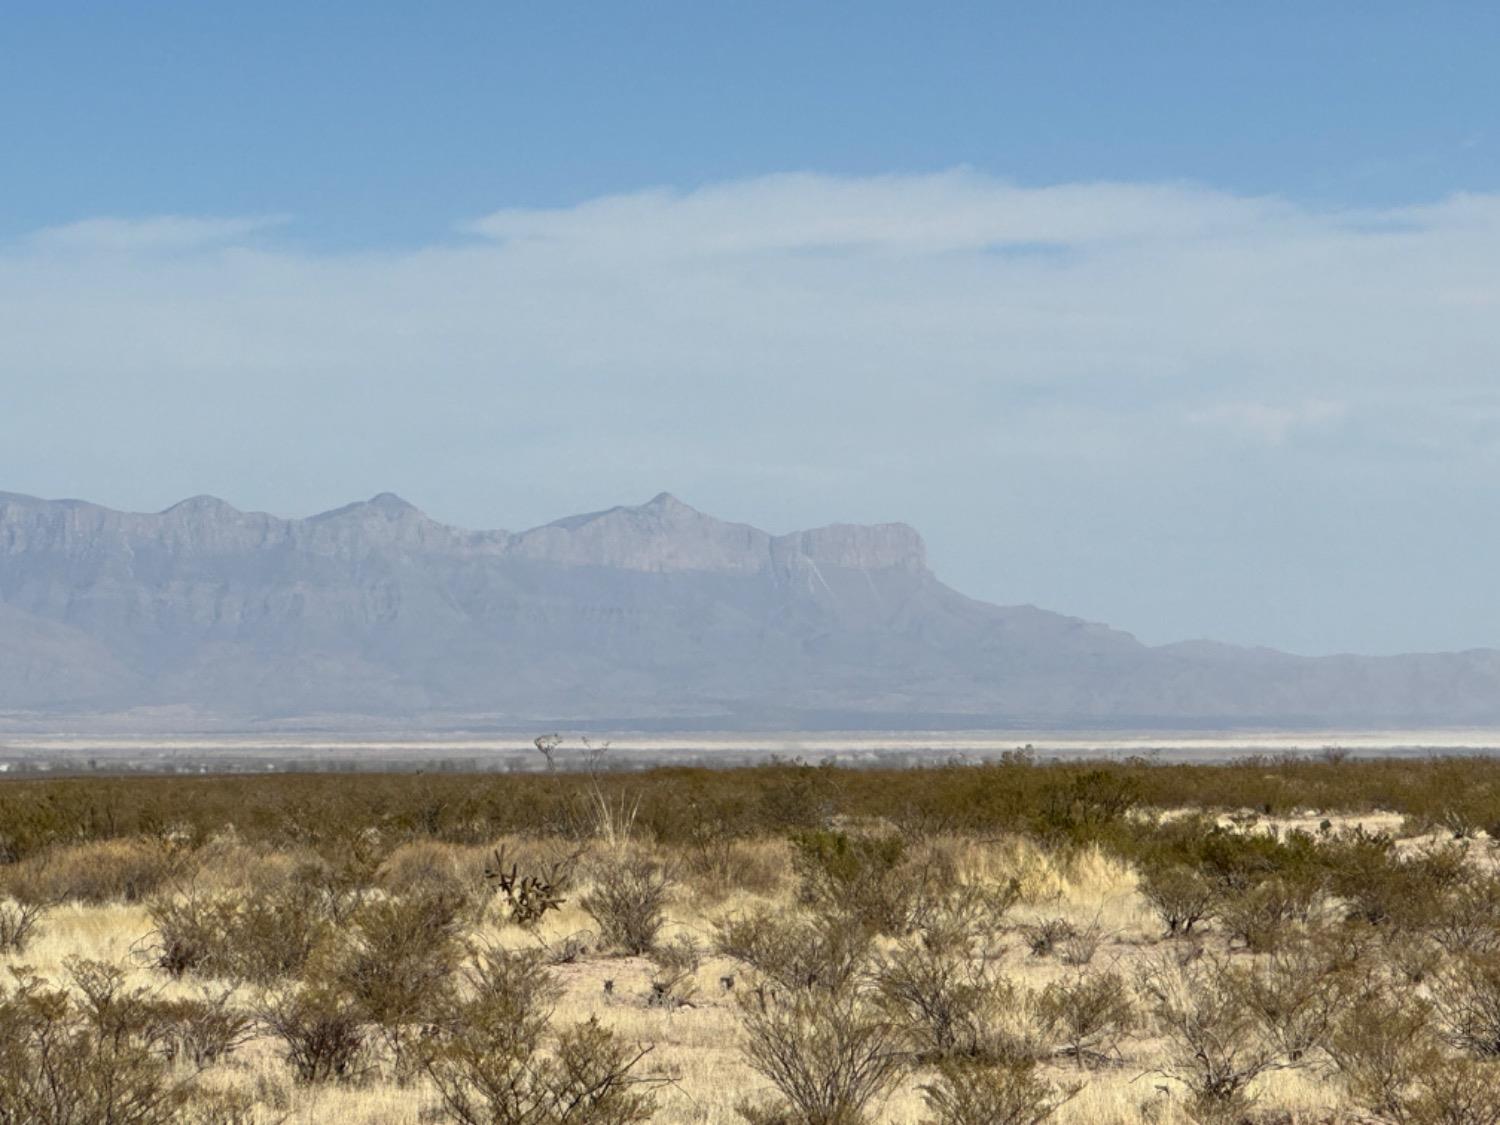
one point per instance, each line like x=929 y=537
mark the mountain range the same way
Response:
x=655 y=614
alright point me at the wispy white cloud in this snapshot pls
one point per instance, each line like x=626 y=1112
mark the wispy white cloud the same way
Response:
x=156 y=233
x=938 y=214
x=962 y=351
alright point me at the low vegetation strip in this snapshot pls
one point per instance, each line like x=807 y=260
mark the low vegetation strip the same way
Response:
x=1270 y=940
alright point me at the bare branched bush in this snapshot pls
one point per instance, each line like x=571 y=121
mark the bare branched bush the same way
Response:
x=1412 y=956
x=1087 y=1014
x=1261 y=917
x=970 y=1093
x=321 y=1031
x=1080 y=947
x=337 y=882
x=489 y=1066
x=968 y=916
x=1377 y=1045
x=1045 y=937
x=828 y=1055
x=570 y=948
x=796 y=952
x=1467 y=920
x=1297 y=993
x=65 y=1062
x=1466 y=1003
x=946 y=1005
x=1217 y=1045
x=1385 y=1052
x=260 y=936
x=589 y=1078
x=628 y=901
x=117 y=1014
x=1454 y=1092
x=1181 y=897
x=205 y=1029
x=188 y=933
x=19 y=924
x=719 y=864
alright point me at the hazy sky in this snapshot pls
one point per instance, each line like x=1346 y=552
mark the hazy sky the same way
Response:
x=1184 y=317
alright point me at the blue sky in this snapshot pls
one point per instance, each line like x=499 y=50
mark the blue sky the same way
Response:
x=379 y=122
x=1178 y=316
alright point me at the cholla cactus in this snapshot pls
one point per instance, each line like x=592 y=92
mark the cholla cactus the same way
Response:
x=530 y=896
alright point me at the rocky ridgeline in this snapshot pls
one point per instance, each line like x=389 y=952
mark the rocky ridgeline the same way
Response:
x=662 y=535
x=656 y=613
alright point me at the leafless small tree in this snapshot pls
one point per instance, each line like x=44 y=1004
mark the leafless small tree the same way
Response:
x=546 y=745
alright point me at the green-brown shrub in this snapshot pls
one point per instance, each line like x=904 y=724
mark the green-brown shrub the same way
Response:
x=489 y=1066
x=1217 y=1044
x=948 y=1005
x=395 y=962
x=796 y=952
x=94 y=1058
x=1381 y=887
x=321 y=1030
x=628 y=900
x=427 y=867
x=1467 y=919
x=1181 y=897
x=876 y=880
x=99 y=871
x=717 y=865
x=205 y=1029
x=1382 y=1047
x=1087 y=1014
x=966 y=1092
x=260 y=936
x=1263 y=916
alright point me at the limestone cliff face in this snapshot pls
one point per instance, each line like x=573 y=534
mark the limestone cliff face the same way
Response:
x=667 y=535
x=653 y=612
x=660 y=536
x=886 y=546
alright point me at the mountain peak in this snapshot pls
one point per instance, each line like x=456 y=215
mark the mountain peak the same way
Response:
x=390 y=502
x=666 y=506
x=386 y=504
x=201 y=505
